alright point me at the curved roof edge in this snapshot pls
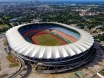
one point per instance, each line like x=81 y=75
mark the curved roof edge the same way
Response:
x=20 y=45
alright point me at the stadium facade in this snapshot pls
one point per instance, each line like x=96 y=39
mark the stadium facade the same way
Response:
x=52 y=58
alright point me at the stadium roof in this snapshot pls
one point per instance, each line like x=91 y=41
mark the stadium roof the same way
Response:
x=20 y=45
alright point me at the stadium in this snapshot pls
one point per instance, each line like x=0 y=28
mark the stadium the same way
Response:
x=52 y=47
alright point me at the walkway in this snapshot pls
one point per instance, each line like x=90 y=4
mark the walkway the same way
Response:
x=4 y=63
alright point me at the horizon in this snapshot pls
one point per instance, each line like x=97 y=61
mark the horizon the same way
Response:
x=52 y=1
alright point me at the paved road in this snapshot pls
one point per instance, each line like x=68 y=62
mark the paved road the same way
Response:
x=4 y=62
x=97 y=46
x=29 y=70
x=21 y=66
x=99 y=49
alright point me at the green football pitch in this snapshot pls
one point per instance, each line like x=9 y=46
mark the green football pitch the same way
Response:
x=48 y=40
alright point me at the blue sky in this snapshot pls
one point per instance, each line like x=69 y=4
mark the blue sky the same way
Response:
x=49 y=0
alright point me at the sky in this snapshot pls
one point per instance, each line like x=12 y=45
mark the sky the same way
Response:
x=49 y=0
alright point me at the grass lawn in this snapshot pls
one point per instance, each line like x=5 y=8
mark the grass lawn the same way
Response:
x=2 y=76
x=77 y=74
x=11 y=59
x=102 y=72
x=72 y=75
x=14 y=65
x=47 y=40
x=6 y=17
x=0 y=19
x=5 y=42
x=0 y=68
x=15 y=24
x=3 y=26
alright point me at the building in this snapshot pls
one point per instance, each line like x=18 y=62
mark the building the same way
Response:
x=71 y=47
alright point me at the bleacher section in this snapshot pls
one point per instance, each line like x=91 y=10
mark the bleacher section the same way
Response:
x=31 y=32
x=68 y=32
x=72 y=39
x=67 y=35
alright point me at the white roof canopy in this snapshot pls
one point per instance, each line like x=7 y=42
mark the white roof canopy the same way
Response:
x=20 y=45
